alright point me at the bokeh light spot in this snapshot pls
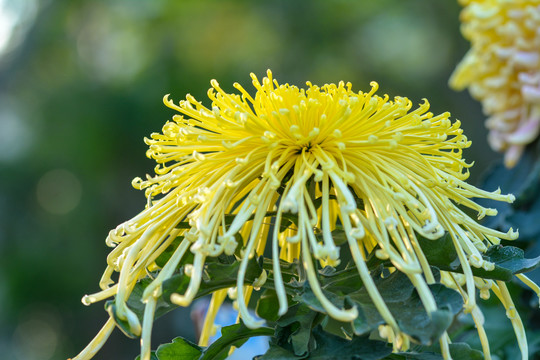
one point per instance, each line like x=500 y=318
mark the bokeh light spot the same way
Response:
x=403 y=45
x=110 y=47
x=59 y=191
x=36 y=336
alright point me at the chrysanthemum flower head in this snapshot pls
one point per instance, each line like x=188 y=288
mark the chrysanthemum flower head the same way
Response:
x=502 y=69
x=323 y=156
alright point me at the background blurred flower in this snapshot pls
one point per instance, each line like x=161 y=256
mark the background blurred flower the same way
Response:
x=502 y=70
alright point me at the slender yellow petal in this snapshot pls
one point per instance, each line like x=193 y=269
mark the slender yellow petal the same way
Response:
x=286 y=167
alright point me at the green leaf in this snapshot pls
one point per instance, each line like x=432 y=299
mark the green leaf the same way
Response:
x=440 y=253
x=307 y=297
x=123 y=325
x=153 y=356
x=163 y=305
x=294 y=329
x=331 y=347
x=235 y=335
x=338 y=236
x=216 y=276
x=400 y=296
x=341 y=282
x=164 y=257
x=508 y=260
x=415 y=355
x=424 y=328
x=179 y=349
x=458 y=351
x=339 y=328
x=267 y=306
x=276 y=352
x=289 y=271
x=406 y=306
x=462 y=351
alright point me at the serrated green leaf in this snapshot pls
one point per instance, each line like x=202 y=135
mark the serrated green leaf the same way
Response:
x=331 y=347
x=179 y=349
x=427 y=329
x=407 y=308
x=508 y=260
x=216 y=276
x=458 y=351
x=235 y=335
x=403 y=301
x=289 y=270
x=511 y=259
x=276 y=352
x=307 y=297
x=294 y=329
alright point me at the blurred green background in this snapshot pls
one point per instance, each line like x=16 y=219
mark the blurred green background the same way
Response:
x=81 y=85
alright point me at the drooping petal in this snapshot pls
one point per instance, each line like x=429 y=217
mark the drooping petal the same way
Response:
x=288 y=164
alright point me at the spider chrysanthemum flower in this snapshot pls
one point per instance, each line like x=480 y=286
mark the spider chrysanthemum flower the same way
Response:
x=324 y=156
x=502 y=69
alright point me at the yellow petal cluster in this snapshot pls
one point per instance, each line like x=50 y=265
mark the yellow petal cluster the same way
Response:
x=327 y=156
x=502 y=70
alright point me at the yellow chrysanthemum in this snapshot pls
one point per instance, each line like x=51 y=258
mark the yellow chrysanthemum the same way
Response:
x=502 y=69
x=283 y=151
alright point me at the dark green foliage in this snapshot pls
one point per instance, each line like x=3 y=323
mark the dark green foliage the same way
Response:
x=306 y=331
x=234 y=335
x=266 y=306
x=458 y=351
x=216 y=276
x=179 y=349
x=508 y=260
x=331 y=347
